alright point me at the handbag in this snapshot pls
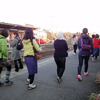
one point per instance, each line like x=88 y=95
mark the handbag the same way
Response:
x=38 y=55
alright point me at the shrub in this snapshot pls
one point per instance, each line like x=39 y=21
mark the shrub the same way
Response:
x=94 y=96
x=98 y=78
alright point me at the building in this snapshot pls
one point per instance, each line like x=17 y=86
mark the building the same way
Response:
x=40 y=35
x=15 y=28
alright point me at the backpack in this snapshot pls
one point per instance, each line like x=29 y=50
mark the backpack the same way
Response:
x=19 y=45
x=86 y=46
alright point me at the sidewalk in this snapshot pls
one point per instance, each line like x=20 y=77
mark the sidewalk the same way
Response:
x=47 y=86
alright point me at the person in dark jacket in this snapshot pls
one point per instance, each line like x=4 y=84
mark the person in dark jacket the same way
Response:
x=60 y=54
x=84 y=54
x=3 y=57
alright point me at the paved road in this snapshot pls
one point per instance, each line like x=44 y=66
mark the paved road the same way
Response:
x=47 y=86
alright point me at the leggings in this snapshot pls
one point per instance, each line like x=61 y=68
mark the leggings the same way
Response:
x=31 y=77
x=86 y=59
x=20 y=62
x=75 y=48
x=60 y=62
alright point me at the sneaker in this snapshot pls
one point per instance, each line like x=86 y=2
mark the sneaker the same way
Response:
x=16 y=69
x=85 y=73
x=59 y=79
x=79 y=78
x=31 y=86
x=92 y=58
x=74 y=53
x=28 y=81
x=8 y=83
x=1 y=83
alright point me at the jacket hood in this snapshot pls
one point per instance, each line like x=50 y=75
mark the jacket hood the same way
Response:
x=1 y=36
x=26 y=41
x=85 y=36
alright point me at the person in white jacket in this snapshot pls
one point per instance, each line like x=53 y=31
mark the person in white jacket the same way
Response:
x=74 y=43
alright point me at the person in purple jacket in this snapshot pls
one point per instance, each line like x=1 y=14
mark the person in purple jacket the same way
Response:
x=84 y=55
x=60 y=54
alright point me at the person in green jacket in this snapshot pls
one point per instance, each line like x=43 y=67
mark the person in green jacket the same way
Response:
x=3 y=57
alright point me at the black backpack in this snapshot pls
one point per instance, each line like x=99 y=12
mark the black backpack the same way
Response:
x=19 y=45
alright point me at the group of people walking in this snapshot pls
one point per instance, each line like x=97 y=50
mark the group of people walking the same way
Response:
x=87 y=47
x=30 y=47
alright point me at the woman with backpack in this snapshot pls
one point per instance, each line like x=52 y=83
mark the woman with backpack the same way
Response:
x=85 y=49
x=16 y=54
x=29 y=43
x=60 y=54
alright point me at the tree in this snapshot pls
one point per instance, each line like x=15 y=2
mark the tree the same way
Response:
x=49 y=35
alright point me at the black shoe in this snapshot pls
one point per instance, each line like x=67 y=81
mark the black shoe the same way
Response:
x=1 y=83
x=8 y=83
x=20 y=67
x=16 y=69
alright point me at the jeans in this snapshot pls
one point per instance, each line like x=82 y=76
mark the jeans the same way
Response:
x=60 y=62
x=86 y=59
x=75 y=48
x=5 y=63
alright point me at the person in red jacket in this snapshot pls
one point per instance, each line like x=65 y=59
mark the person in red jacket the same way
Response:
x=96 y=44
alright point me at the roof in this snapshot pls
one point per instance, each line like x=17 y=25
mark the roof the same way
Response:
x=15 y=26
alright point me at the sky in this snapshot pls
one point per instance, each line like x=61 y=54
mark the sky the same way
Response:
x=55 y=15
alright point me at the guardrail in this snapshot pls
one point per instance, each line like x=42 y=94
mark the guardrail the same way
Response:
x=47 y=50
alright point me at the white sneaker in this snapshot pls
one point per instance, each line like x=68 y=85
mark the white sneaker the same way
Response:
x=28 y=80
x=92 y=58
x=74 y=53
x=31 y=86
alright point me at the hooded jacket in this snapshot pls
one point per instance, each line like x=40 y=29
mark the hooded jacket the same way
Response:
x=28 y=48
x=85 y=52
x=3 y=48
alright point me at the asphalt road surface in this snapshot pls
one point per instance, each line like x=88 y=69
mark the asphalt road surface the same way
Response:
x=47 y=86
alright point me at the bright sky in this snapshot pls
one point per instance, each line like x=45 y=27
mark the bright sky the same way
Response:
x=57 y=15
